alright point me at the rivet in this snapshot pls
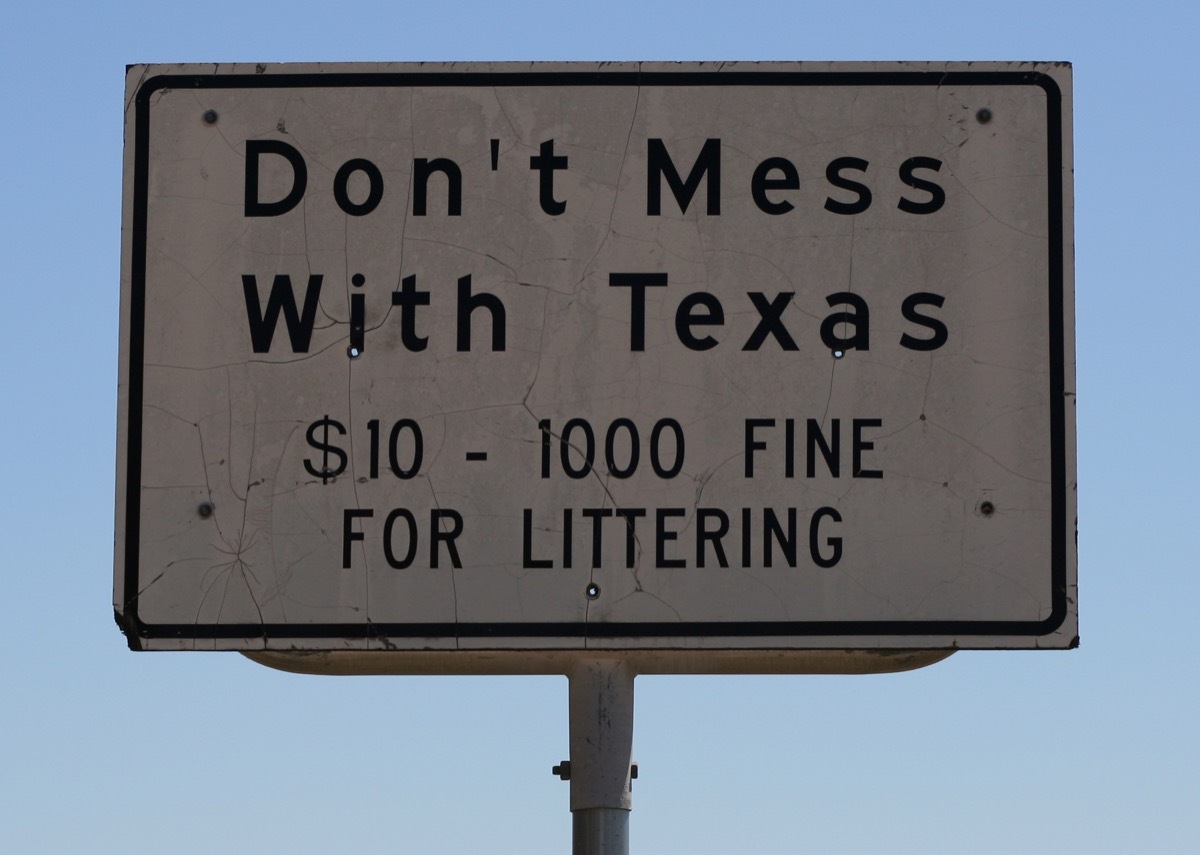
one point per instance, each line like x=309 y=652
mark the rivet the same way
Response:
x=210 y=117
x=592 y=591
x=983 y=115
x=987 y=508
x=205 y=510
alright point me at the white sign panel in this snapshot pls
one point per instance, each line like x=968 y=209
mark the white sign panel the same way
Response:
x=557 y=357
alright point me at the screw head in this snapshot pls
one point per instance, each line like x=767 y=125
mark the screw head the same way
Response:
x=210 y=117
x=983 y=115
x=987 y=508
x=205 y=510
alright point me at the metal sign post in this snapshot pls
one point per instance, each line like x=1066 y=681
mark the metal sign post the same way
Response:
x=601 y=717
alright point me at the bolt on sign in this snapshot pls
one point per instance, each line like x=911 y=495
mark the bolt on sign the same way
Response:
x=564 y=357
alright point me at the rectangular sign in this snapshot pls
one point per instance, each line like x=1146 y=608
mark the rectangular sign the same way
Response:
x=567 y=356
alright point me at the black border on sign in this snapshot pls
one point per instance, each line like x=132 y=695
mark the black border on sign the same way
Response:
x=136 y=629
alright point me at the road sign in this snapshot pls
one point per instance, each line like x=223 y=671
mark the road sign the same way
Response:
x=563 y=357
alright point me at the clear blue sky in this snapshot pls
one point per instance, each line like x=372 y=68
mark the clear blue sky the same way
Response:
x=1094 y=750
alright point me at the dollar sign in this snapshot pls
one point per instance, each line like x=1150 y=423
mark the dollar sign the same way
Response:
x=323 y=445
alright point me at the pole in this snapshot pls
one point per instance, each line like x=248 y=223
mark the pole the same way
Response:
x=600 y=701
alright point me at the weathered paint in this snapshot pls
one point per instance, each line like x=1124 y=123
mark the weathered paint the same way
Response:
x=259 y=471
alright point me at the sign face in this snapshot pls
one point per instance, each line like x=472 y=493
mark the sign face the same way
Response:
x=564 y=357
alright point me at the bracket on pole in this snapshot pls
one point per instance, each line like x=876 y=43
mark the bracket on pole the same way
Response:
x=600 y=700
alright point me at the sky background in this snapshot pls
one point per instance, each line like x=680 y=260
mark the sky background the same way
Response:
x=1090 y=751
